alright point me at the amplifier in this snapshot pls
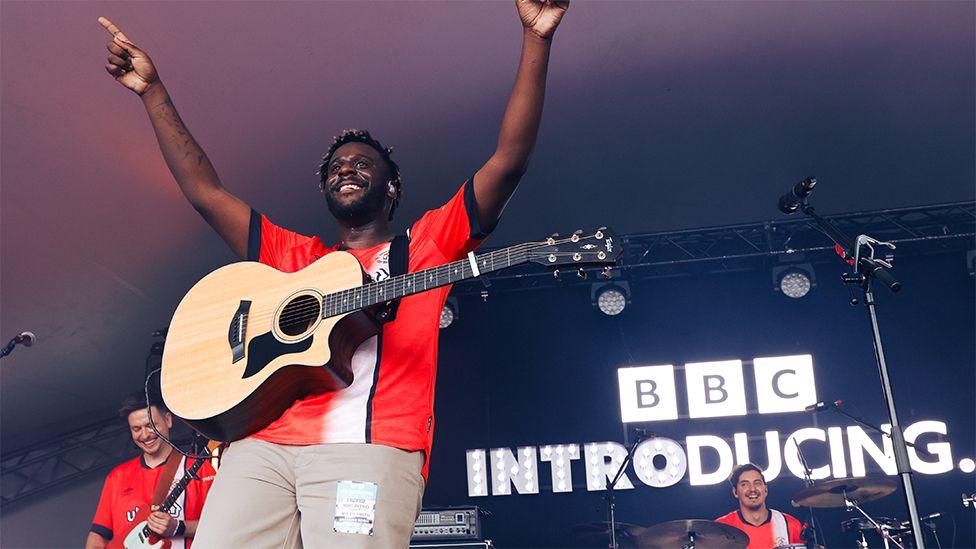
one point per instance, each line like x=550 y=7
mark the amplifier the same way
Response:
x=487 y=544
x=447 y=523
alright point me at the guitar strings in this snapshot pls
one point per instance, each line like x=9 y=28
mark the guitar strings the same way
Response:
x=307 y=313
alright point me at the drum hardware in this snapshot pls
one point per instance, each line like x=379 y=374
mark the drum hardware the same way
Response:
x=597 y=533
x=969 y=501
x=686 y=534
x=850 y=493
x=879 y=525
x=640 y=436
x=808 y=481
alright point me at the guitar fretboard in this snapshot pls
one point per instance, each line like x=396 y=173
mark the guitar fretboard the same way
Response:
x=398 y=286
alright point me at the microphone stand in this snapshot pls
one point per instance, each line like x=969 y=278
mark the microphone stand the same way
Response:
x=873 y=427
x=866 y=268
x=611 y=498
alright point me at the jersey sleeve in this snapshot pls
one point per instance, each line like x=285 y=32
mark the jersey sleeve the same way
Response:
x=268 y=243
x=102 y=524
x=794 y=528
x=197 y=490
x=454 y=227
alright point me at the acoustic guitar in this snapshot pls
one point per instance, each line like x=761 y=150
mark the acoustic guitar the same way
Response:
x=248 y=340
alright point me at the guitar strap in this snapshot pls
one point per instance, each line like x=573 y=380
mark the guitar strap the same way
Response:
x=399 y=261
x=166 y=478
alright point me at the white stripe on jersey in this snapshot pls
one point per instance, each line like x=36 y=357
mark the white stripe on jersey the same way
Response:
x=346 y=419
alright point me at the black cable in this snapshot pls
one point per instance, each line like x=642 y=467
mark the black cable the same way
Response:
x=152 y=423
x=953 y=544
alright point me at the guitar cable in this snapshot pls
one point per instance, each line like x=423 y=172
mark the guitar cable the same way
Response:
x=152 y=423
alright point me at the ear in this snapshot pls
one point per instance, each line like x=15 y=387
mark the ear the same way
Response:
x=169 y=420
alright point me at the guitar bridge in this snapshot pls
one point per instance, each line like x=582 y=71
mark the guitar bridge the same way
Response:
x=238 y=331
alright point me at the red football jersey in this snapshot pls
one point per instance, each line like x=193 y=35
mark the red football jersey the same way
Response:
x=391 y=398
x=764 y=536
x=131 y=485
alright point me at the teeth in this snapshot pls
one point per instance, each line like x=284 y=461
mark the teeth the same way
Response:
x=348 y=186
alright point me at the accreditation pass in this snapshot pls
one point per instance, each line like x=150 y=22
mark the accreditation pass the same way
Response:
x=355 y=508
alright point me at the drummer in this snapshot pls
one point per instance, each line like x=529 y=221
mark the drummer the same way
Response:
x=766 y=528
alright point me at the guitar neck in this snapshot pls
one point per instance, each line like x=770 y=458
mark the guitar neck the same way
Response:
x=174 y=494
x=403 y=285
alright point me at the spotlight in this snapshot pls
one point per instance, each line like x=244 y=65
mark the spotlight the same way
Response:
x=610 y=297
x=794 y=281
x=449 y=313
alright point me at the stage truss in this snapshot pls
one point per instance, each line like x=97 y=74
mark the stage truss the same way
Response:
x=940 y=228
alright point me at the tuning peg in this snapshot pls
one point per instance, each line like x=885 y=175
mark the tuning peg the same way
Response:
x=555 y=274
x=581 y=273
x=576 y=235
x=607 y=272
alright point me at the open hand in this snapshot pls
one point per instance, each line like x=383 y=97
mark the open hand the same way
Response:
x=129 y=65
x=541 y=17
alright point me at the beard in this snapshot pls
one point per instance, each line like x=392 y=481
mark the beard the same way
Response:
x=361 y=210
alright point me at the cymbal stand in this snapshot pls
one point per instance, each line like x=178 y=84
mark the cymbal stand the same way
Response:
x=808 y=481
x=611 y=498
x=883 y=530
x=691 y=541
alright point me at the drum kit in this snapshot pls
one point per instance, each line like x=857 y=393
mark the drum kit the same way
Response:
x=846 y=493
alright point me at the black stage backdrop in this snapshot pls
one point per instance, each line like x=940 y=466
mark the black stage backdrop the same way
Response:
x=539 y=367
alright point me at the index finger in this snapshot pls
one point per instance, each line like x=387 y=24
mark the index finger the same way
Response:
x=110 y=27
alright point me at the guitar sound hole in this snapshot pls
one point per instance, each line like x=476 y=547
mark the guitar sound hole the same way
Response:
x=299 y=315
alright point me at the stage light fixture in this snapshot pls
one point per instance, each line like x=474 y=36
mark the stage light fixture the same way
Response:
x=449 y=313
x=610 y=297
x=794 y=281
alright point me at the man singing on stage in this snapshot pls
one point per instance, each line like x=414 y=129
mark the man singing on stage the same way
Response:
x=766 y=528
x=130 y=487
x=329 y=456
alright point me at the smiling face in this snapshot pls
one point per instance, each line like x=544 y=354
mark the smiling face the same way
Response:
x=142 y=433
x=357 y=184
x=750 y=490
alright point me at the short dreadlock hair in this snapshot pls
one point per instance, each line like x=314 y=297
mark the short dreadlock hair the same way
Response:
x=354 y=135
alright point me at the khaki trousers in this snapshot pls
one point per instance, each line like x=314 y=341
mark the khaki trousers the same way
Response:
x=274 y=496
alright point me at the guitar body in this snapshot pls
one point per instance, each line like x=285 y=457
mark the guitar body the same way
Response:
x=248 y=340
x=138 y=539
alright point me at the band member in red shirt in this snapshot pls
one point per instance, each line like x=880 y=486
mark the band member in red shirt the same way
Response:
x=766 y=528
x=131 y=485
x=348 y=468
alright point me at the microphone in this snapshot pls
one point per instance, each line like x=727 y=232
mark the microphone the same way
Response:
x=643 y=433
x=822 y=406
x=790 y=202
x=26 y=339
x=926 y=518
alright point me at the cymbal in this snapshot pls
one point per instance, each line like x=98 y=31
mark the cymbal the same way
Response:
x=707 y=534
x=831 y=493
x=598 y=533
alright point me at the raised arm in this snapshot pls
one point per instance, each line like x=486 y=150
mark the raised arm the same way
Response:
x=495 y=182
x=227 y=214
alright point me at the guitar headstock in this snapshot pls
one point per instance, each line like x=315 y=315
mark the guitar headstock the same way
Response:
x=581 y=249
